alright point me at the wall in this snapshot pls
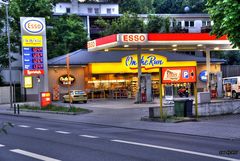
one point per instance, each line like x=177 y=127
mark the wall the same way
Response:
x=214 y=68
x=61 y=7
x=56 y=72
x=83 y=8
x=230 y=70
x=204 y=109
x=4 y=95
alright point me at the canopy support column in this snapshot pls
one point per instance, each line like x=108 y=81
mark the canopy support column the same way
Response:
x=208 y=68
x=138 y=98
x=196 y=100
x=160 y=93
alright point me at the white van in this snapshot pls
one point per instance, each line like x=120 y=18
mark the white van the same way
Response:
x=231 y=86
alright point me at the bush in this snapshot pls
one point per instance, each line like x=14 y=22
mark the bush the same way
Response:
x=51 y=107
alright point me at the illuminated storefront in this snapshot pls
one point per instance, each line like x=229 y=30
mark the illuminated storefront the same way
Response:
x=114 y=74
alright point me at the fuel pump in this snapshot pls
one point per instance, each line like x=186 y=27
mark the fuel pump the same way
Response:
x=146 y=88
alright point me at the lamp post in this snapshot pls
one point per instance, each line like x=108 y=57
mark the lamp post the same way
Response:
x=6 y=3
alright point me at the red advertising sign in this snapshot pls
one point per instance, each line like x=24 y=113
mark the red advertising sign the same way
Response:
x=45 y=98
x=179 y=75
x=34 y=72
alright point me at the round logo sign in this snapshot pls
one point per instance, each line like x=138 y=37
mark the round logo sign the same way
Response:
x=203 y=76
x=34 y=26
x=63 y=80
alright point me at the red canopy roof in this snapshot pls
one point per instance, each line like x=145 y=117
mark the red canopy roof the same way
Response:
x=160 y=41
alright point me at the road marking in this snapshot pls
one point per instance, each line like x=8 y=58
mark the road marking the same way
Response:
x=89 y=136
x=176 y=150
x=33 y=155
x=1 y=145
x=42 y=129
x=62 y=132
x=24 y=126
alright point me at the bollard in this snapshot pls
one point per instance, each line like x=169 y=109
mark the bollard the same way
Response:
x=18 y=109
x=14 y=108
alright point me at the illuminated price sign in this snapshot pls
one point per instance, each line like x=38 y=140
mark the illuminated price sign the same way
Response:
x=33 y=60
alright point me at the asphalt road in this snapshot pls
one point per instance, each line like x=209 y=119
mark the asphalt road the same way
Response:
x=40 y=139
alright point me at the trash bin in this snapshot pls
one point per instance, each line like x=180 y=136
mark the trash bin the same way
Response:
x=179 y=107
x=188 y=108
x=183 y=107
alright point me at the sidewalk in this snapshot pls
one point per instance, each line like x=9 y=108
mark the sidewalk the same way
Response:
x=124 y=113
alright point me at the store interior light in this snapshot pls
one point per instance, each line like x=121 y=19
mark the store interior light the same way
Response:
x=126 y=46
x=216 y=48
x=106 y=50
x=151 y=49
x=174 y=45
x=199 y=45
x=174 y=49
x=108 y=81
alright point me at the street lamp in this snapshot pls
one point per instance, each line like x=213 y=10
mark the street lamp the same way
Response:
x=6 y=3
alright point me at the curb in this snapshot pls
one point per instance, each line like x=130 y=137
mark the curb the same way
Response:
x=16 y=115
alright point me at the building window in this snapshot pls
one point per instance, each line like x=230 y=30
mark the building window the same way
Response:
x=206 y=23
x=176 y=24
x=96 y=10
x=90 y=10
x=189 y=23
x=109 y=11
x=68 y=10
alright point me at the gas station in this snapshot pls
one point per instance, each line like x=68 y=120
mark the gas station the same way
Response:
x=169 y=73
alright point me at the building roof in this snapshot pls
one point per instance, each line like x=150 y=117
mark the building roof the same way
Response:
x=83 y=57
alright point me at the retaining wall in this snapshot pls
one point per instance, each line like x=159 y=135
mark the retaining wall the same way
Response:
x=204 y=109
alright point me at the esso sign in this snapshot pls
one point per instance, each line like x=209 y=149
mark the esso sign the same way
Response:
x=33 y=26
x=91 y=44
x=134 y=37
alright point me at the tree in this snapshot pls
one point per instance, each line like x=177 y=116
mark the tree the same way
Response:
x=136 y=6
x=66 y=35
x=131 y=23
x=128 y=23
x=225 y=16
x=157 y=24
x=63 y=36
x=177 y=6
x=4 y=127
x=231 y=57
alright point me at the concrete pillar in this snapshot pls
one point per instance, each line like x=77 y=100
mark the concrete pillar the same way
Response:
x=88 y=27
x=208 y=55
x=138 y=97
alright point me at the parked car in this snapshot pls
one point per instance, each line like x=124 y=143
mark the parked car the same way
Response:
x=76 y=96
x=231 y=86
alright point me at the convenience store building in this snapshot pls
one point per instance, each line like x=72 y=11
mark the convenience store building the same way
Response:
x=114 y=74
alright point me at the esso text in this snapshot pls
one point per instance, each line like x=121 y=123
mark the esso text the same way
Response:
x=133 y=38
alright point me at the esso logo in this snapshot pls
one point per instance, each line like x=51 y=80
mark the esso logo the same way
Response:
x=91 y=44
x=134 y=38
x=33 y=26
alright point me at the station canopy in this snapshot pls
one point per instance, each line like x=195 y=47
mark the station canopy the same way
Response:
x=161 y=41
